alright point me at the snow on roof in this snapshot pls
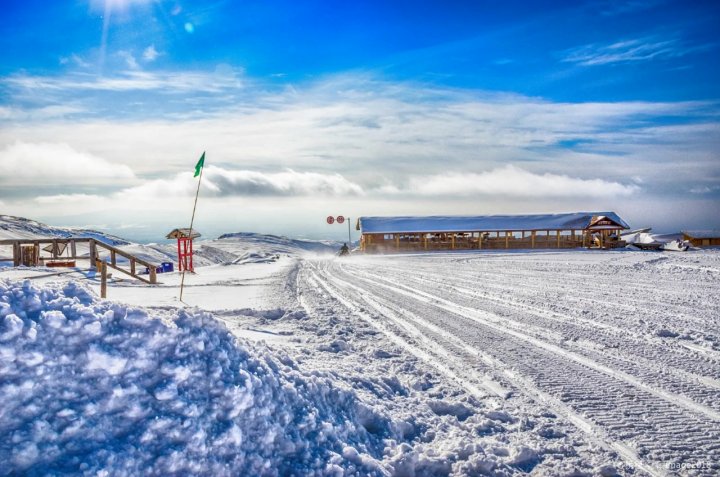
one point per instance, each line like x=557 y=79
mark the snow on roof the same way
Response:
x=487 y=223
x=702 y=234
x=184 y=232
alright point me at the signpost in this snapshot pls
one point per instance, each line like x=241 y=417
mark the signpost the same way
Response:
x=340 y=219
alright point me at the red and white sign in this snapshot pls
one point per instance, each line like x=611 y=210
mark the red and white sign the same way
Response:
x=330 y=220
x=340 y=219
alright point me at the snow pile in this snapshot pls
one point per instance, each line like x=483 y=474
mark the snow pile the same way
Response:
x=91 y=387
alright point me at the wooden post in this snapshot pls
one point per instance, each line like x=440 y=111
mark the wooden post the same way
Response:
x=103 y=280
x=452 y=241
x=558 y=239
x=16 y=254
x=113 y=258
x=93 y=254
x=397 y=241
x=424 y=236
x=132 y=266
x=153 y=275
x=73 y=248
x=507 y=239
x=532 y=239
x=480 y=234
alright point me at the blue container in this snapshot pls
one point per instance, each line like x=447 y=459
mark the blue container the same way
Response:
x=167 y=267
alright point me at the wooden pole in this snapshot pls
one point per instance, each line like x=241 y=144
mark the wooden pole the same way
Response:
x=192 y=220
x=103 y=280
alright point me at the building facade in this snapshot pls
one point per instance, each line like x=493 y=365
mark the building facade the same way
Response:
x=492 y=232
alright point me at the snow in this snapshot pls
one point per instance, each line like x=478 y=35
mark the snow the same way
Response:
x=110 y=388
x=285 y=362
x=577 y=221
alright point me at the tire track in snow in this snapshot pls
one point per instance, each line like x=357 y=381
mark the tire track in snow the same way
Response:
x=489 y=388
x=499 y=324
x=663 y=430
x=592 y=431
x=618 y=335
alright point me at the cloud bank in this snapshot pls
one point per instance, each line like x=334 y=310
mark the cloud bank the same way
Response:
x=39 y=164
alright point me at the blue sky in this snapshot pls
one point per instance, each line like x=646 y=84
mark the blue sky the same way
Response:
x=377 y=108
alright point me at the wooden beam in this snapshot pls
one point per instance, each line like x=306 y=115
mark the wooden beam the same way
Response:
x=532 y=238
x=73 y=248
x=480 y=234
x=507 y=239
x=558 y=239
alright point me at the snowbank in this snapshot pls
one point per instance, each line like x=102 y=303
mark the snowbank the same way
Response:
x=91 y=386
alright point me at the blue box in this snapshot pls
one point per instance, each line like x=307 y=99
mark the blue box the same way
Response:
x=167 y=267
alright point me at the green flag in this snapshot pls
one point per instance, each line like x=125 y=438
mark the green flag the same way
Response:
x=199 y=165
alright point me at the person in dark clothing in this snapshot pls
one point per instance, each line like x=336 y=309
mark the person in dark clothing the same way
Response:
x=344 y=250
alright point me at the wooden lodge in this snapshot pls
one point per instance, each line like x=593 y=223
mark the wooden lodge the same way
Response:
x=494 y=232
x=702 y=238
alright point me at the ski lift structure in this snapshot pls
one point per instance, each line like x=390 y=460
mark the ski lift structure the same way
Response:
x=184 y=238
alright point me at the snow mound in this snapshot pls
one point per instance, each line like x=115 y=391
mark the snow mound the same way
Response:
x=96 y=388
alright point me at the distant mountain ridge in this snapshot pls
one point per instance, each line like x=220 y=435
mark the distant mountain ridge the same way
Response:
x=12 y=227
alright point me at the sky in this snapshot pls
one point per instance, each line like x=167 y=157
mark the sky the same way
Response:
x=309 y=109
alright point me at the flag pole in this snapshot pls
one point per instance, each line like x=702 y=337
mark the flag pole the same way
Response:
x=192 y=220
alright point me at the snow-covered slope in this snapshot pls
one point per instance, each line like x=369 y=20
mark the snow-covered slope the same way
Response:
x=20 y=228
x=242 y=242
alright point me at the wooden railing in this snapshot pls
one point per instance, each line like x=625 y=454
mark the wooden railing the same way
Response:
x=94 y=246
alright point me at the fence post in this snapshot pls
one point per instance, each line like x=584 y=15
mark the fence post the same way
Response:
x=103 y=280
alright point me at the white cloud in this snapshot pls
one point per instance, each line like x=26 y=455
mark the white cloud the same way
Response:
x=640 y=49
x=40 y=164
x=511 y=181
x=67 y=198
x=133 y=80
x=221 y=182
x=150 y=54
x=129 y=60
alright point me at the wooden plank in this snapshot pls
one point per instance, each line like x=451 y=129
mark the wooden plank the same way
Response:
x=119 y=269
x=113 y=258
x=507 y=239
x=73 y=248
x=558 y=239
x=532 y=238
x=132 y=266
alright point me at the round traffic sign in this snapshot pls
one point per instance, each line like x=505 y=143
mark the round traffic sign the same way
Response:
x=340 y=219
x=330 y=219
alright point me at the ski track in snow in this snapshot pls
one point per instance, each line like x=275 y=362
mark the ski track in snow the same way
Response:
x=574 y=332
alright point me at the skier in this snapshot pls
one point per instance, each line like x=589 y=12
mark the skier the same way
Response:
x=344 y=250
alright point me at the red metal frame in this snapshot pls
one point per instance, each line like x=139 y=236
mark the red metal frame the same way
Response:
x=185 y=254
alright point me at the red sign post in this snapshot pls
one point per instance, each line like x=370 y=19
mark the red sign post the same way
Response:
x=340 y=220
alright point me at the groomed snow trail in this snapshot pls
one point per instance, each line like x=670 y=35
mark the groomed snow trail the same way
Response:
x=624 y=346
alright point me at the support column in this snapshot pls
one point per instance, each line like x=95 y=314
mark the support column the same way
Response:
x=507 y=239
x=558 y=239
x=532 y=239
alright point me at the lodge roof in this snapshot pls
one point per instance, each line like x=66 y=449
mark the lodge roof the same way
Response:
x=491 y=223
x=702 y=234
